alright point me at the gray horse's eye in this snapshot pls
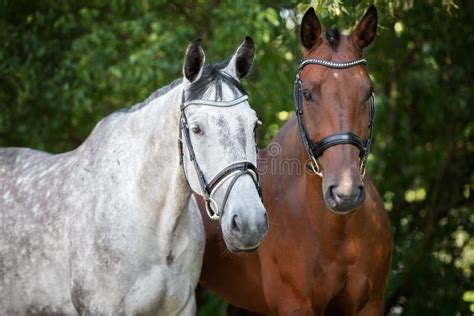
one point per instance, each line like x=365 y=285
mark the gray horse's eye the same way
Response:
x=196 y=129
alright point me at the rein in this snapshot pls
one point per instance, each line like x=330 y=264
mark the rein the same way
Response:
x=234 y=170
x=315 y=150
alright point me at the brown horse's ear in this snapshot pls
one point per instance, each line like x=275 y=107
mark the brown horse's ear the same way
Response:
x=310 y=29
x=366 y=29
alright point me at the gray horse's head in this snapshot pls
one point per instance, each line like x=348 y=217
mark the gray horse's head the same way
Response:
x=221 y=127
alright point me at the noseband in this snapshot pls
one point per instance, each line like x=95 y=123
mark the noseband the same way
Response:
x=316 y=150
x=233 y=171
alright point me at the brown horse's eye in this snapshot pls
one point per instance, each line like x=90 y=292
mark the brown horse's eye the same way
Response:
x=196 y=130
x=307 y=96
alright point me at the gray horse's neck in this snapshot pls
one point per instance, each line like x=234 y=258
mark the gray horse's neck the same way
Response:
x=137 y=150
x=128 y=167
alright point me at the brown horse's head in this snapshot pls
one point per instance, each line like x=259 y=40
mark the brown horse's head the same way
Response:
x=337 y=100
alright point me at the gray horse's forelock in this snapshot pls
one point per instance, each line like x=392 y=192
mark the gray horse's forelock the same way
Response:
x=212 y=74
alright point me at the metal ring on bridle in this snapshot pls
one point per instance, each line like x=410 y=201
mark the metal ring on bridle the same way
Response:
x=314 y=167
x=213 y=214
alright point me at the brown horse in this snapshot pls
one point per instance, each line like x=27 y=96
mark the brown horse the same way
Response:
x=328 y=248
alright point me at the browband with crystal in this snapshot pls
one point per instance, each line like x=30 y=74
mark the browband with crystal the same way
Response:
x=332 y=64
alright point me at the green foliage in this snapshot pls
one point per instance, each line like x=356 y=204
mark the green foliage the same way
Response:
x=212 y=306
x=66 y=64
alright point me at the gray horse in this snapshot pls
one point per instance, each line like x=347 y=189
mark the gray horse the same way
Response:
x=104 y=229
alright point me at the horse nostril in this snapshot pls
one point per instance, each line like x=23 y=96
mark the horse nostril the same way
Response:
x=361 y=190
x=331 y=192
x=235 y=225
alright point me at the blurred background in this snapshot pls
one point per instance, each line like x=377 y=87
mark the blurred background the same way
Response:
x=66 y=64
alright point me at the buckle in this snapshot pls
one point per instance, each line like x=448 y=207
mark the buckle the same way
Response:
x=314 y=167
x=362 y=168
x=214 y=215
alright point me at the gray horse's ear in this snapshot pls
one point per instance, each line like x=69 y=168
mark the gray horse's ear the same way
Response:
x=310 y=32
x=193 y=61
x=241 y=63
x=366 y=29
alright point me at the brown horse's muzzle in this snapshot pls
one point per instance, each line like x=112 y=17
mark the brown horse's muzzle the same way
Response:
x=344 y=192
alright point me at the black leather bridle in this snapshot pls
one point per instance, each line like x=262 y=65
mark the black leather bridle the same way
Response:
x=234 y=170
x=316 y=150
